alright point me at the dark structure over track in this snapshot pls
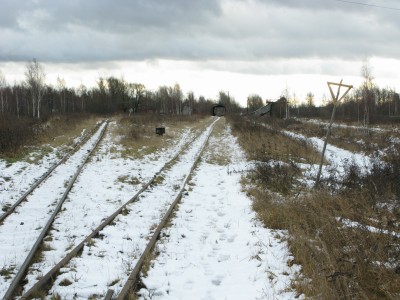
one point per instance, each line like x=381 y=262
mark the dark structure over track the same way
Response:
x=218 y=110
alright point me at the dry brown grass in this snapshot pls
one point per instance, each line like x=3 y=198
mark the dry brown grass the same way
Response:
x=338 y=261
x=136 y=134
x=262 y=141
x=348 y=138
x=59 y=131
x=62 y=130
x=217 y=153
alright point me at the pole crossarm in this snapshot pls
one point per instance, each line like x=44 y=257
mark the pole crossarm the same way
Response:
x=336 y=98
x=341 y=84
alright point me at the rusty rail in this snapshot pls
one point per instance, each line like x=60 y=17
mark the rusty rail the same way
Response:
x=51 y=274
x=27 y=262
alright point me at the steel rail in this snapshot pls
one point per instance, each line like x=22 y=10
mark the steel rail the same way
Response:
x=27 y=262
x=51 y=274
x=135 y=272
x=46 y=175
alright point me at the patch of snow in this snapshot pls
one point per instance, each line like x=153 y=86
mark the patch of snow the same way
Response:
x=353 y=224
x=215 y=247
x=339 y=158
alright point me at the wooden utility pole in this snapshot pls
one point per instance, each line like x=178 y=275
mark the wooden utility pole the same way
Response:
x=336 y=101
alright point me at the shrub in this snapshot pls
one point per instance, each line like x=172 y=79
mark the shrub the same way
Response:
x=14 y=133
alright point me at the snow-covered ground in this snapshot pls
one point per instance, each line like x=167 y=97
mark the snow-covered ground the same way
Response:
x=112 y=181
x=355 y=127
x=215 y=247
x=16 y=178
x=19 y=231
x=108 y=260
x=339 y=159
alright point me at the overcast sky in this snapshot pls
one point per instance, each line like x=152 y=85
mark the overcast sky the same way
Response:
x=240 y=46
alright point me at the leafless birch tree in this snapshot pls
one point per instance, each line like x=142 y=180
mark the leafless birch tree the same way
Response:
x=3 y=85
x=367 y=92
x=61 y=86
x=35 y=78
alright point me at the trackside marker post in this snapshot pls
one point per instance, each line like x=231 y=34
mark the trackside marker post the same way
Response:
x=336 y=101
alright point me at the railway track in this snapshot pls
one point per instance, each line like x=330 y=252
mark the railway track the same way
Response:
x=131 y=226
x=46 y=175
x=37 y=210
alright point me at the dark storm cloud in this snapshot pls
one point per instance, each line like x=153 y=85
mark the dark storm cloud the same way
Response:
x=105 y=14
x=245 y=30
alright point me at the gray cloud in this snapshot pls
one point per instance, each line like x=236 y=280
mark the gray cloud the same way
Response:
x=202 y=30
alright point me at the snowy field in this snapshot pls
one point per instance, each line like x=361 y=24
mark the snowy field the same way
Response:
x=83 y=209
x=20 y=230
x=214 y=248
x=338 y=158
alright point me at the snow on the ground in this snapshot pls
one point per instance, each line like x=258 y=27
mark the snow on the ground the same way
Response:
x=107 y=262
x=353 y=224
x=112 y=181
x=16 y=178
x=20 y=230
x=340 y=125
x=338 y=158
x=215 y=247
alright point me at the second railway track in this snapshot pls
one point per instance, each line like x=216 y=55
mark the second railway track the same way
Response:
x=8 y=211
x=21 y=233
x=106 y=256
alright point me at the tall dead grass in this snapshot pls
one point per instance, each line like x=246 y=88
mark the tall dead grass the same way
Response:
x=349 y=138
x=137 y=135
x=137 y=126
x=14 y=133
x=18 y=136
x=347 y=240
x=263 y=141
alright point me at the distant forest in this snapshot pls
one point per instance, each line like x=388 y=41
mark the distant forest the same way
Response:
x=36 y=100
x=365 y=104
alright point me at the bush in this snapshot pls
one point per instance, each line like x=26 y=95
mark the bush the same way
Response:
x=14 y=133
x=277 y=177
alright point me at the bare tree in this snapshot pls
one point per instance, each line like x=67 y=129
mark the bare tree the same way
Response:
x=310 y=99
x=15 y=90
x=35 y=78
x=177 y=96
x=136 y=91
x=190 y=99
x=367 y=91
x=286 y=94
x=82 y=93
x=61 y=85
x=254 y=102
x=3 y=85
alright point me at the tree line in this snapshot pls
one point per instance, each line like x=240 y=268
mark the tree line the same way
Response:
x=33 y=98
x=363 y=105
x=367 y=103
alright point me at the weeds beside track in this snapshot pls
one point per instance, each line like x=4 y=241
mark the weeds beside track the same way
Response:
x=339 y=259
